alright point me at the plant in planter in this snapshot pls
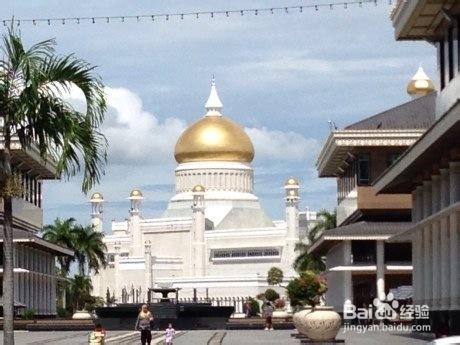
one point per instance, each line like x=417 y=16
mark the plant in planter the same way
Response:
x=319 y=323
x=275 y=276
x=271 y=295
x=280 y=310
x=280 y=304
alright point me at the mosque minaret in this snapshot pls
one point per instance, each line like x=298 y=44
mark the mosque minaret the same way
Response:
x=214 y=234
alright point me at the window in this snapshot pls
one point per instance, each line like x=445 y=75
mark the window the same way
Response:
x=450 y=53
x=363 y=251
x=398 y=252
x=110 y=257
x=39 y=186
x=346 y=182
x=245 y=253
x=364 y=169
x=455 y=46
x=391 y=158
x=30 y=187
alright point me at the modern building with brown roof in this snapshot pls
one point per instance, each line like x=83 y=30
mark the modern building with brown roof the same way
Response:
x=430 y=169
x=34 y=258
x=360 y=262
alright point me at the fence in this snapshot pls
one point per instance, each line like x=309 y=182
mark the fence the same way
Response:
x=236 y=302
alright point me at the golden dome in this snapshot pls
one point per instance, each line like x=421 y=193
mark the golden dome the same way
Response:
x=136 y=193
x=97 y=197
x=214 y=138
x=198 y=188
x=420 y=84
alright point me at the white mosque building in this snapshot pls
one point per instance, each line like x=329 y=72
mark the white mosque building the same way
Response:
x=214 y=236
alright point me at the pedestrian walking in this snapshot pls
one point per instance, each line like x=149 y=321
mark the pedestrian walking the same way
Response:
x=170 y=333
x=267 y=313
x=144 y=324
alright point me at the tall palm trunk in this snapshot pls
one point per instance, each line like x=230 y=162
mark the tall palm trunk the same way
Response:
x=8 y=279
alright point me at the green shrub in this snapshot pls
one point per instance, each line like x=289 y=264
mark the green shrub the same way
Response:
x=62 y=313
x=271 y=295
x=275 y=276
x=306 y=289
x=92 y=302
x=28 y=314
x=255 y=308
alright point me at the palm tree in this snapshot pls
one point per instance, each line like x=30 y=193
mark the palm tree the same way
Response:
x=312 y=262
x=326 y=220
x=62 y=233
x=80 y=288
x=32 y=83
x=89 y=249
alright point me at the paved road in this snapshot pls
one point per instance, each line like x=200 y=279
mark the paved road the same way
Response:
x=283 y=337
x=233 y=337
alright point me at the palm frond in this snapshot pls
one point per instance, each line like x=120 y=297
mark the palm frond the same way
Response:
x=31 y=96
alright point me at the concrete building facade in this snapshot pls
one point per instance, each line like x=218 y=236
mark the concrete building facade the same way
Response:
x=430 y=169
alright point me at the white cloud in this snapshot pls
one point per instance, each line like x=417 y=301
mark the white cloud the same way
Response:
x=279 y=145
x=135 y=135
x=304 y=64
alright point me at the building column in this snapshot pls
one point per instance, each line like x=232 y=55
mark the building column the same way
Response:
x=417 y=262
x=347 y=279
x=292 y=200
x=148 y=265
x=454 y=179
x=419 y=205
x=435 y=193
x=436 y=250
x=427 y=202
x=198 y=244
x=117 y=285
x=380 y=262
x=445 y=263
x=445 y=185
x=428 y=275
x=414 y=215
x=454 y=261
x=53 y=295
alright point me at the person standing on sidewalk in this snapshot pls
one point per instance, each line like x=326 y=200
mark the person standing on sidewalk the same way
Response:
x=144 y=325
x=97 y=336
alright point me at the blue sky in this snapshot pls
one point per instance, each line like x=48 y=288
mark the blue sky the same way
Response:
x=281 y=76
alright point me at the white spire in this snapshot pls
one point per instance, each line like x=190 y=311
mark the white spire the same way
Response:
x=213 y=105
x=420 y=84
x=420 y=75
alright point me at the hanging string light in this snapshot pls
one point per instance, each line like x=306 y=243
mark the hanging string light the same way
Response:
x=197 y=14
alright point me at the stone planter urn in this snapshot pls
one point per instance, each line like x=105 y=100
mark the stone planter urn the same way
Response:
x=299 y=319
x=81 y=315
x=321 y=323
